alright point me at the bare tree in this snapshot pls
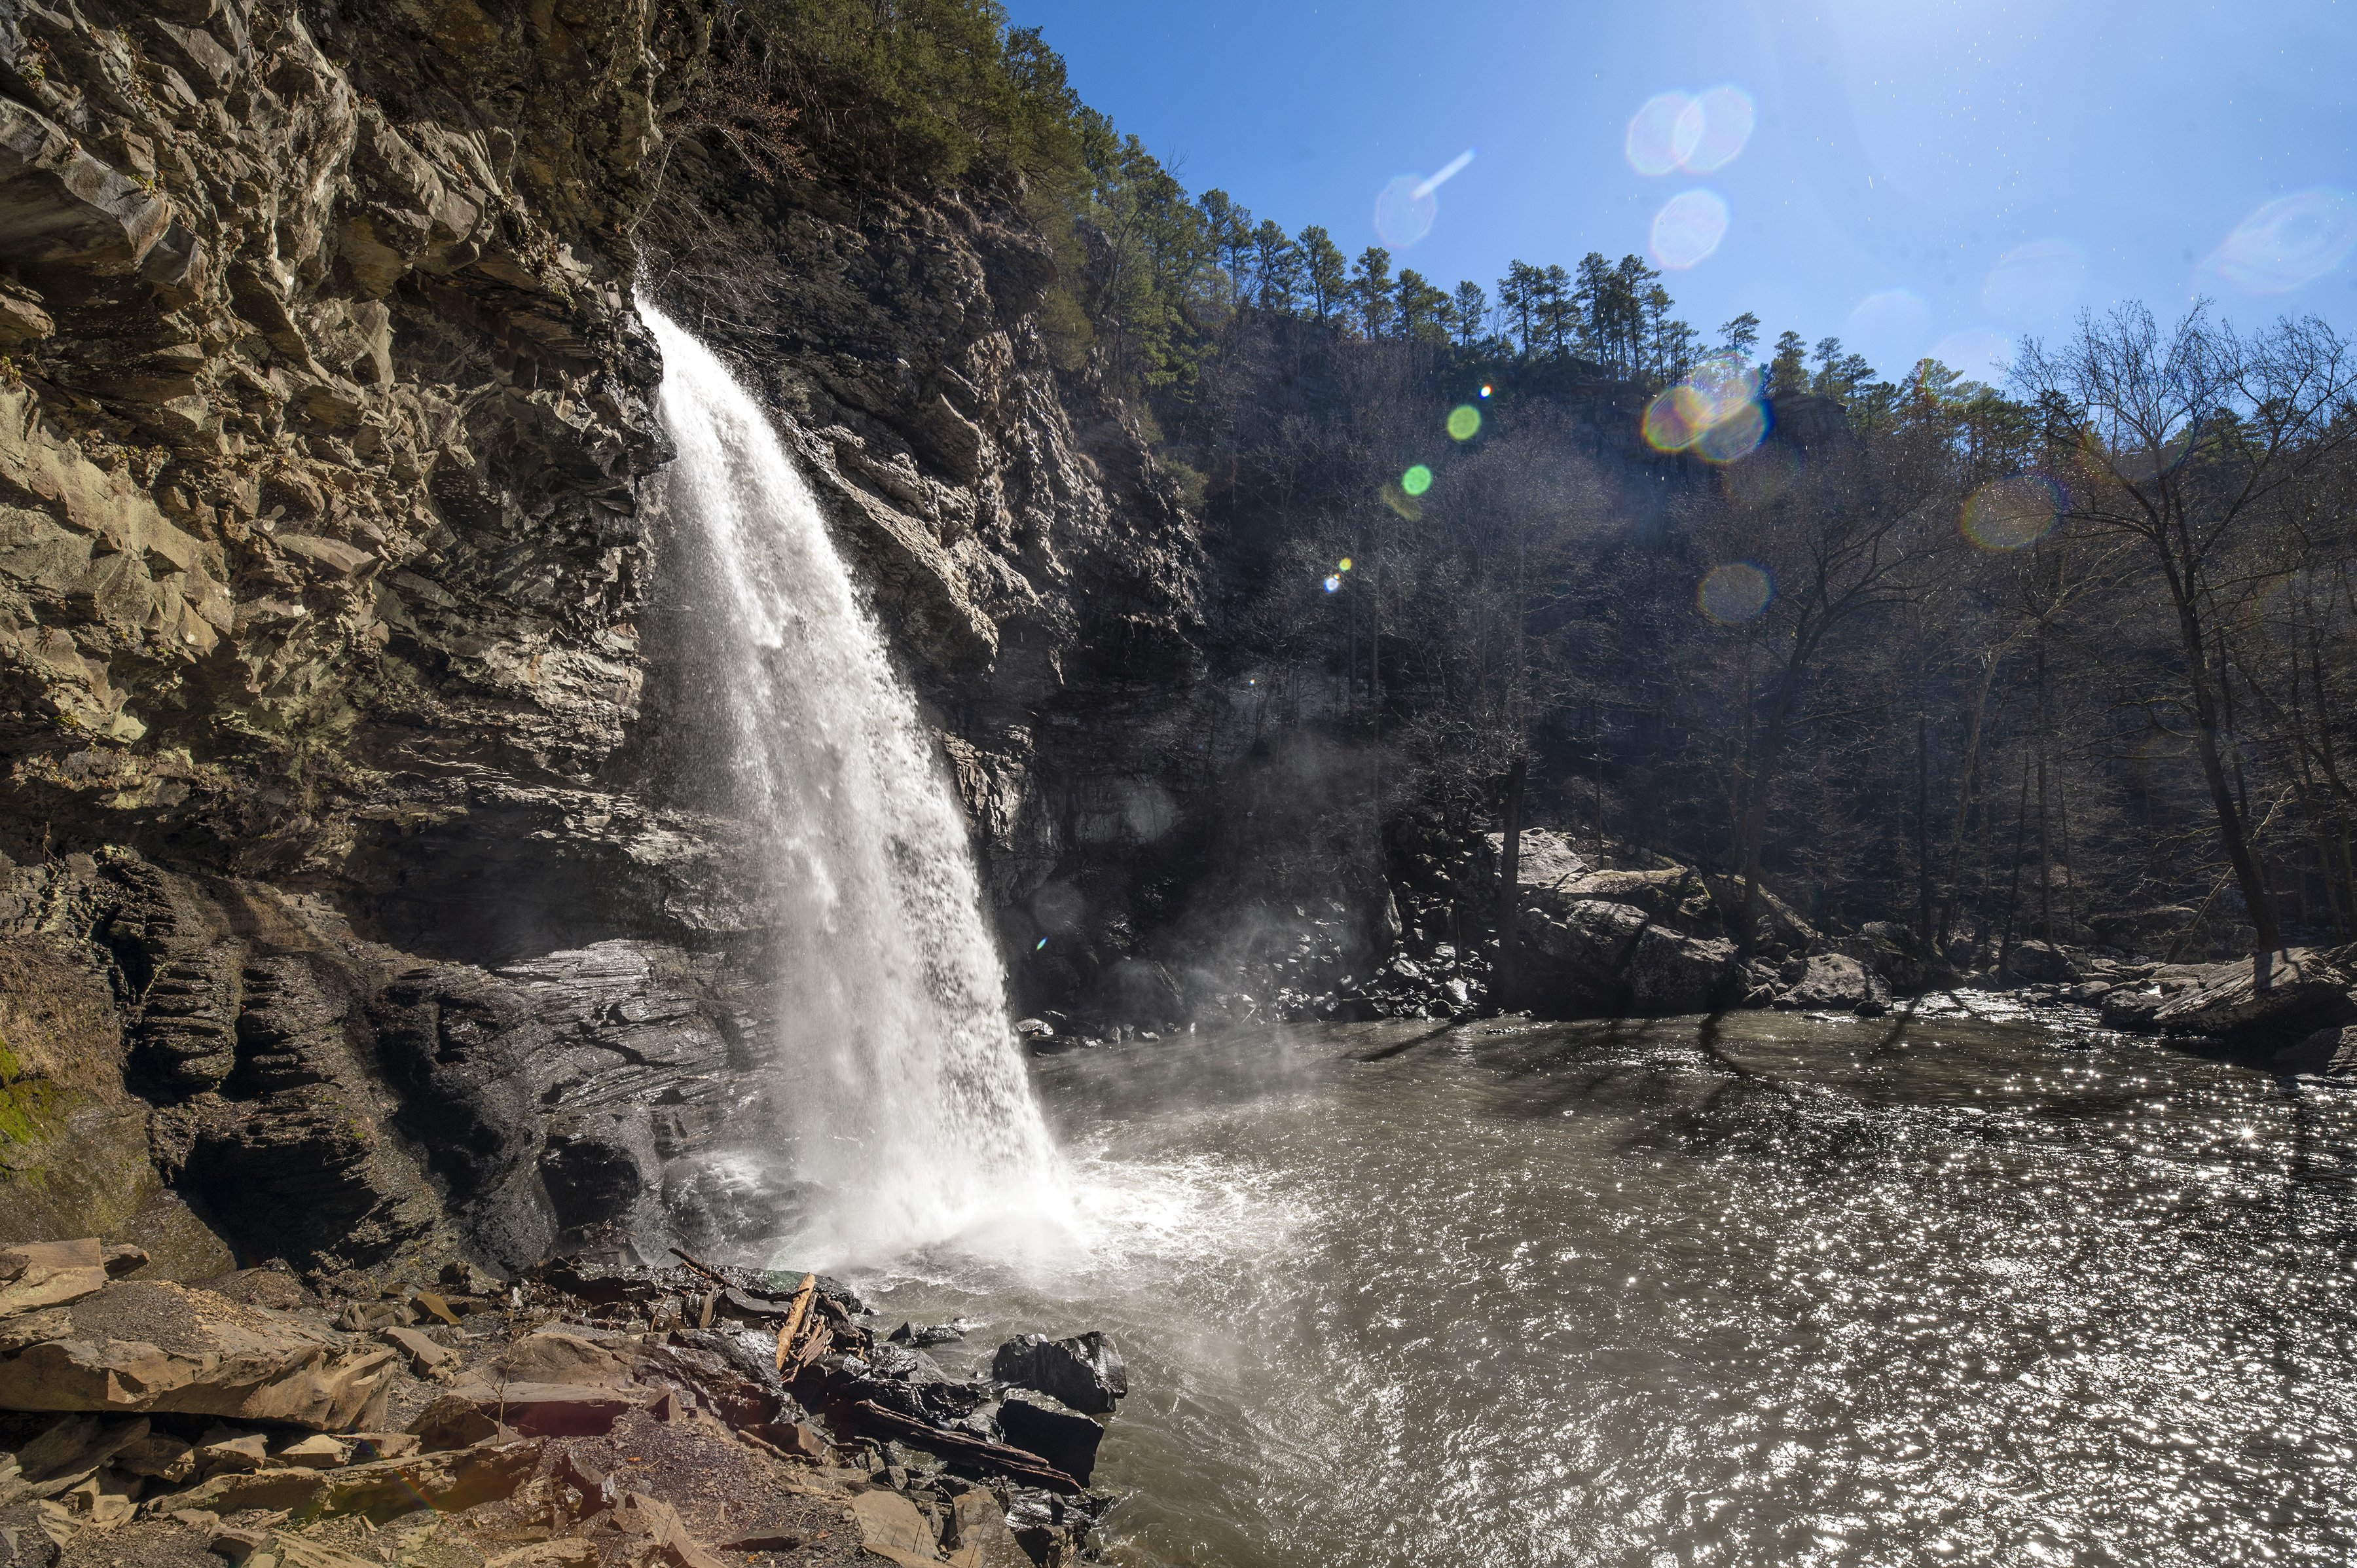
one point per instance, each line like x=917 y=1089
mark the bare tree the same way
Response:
x=2183 y=440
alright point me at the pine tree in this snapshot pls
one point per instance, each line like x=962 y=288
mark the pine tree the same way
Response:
x=1557 y=313
x=1229 y=227
x=1741 y=336
x=1788 y=372
x=1424 y=310
x=1276 y=269
x=1521 y=295
x=1371 y=291
x=1469 y=313
x=1324 y=272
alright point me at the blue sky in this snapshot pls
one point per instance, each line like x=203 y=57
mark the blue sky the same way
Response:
x=1921 y=178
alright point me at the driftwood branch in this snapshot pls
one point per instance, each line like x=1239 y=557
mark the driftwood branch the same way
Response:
x=794 y=1319
x=1020 y=1462
x=707 y=1269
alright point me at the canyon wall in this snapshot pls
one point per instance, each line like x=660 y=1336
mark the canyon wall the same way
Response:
x=362 y=905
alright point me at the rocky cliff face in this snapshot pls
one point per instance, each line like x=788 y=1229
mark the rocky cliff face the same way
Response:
x=370 y=911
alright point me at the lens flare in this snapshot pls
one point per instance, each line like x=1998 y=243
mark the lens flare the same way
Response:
x=2034 y=283
x=1739 y=434
x=1714 y=411
x=1735 y=592
x=1669 y=421
x=1333 y=583
x=2290 y=242
x=1701 y=133
x=1661 y=133
x=2007 y=513
x=1463 y=421
x=1723 y=383
x=1977 y=351
x=1406 y=209
x=1724 y=118
x=1417 y=481
x=1037 y=945
x=1688 y=228
x=1888 y=327
x=1344 y=564
x=1400 y=502
x=1485 y=390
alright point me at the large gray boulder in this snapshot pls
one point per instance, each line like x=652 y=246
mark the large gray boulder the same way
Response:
x=2329 y=1053
x=1837 y=983
x=1085 y=1371
x=1063 y=1436
x=2041 y=964
x=2309 y=990
x=1900 y=956
x=1613 y=960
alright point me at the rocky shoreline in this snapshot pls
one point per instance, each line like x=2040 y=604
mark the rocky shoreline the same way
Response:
x=689 y=1416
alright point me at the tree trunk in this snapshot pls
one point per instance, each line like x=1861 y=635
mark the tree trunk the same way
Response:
x=1510 y=869
x=2231 y=828
x=1755 y=810
x=1966 y=791
x=2013 y=894
x=1924 y=827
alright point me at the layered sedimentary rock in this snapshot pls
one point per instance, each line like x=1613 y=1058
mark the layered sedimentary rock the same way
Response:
x=349 y=785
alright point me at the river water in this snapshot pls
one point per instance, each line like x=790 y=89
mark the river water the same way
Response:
x=1797 y=1290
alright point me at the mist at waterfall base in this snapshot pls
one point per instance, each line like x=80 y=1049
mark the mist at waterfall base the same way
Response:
x=1771 y=1289
x=907 y=1118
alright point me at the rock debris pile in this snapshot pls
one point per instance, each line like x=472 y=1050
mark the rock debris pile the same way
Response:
x=689 y=1417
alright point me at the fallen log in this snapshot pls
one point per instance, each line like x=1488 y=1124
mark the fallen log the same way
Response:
x=1020 y=1462
x=707 y=1269
x=794 y=1318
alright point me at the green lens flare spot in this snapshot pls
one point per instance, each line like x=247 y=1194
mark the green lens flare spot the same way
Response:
x=1463 y=421
x=1417 y=481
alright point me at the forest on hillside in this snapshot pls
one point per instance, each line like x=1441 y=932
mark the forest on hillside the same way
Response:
x=2066 y=657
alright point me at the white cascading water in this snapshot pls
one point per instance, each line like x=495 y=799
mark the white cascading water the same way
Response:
x=904 y=1094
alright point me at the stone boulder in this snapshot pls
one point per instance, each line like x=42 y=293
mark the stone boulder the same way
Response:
x=1836 y=983
x=2329 y=1053
x=1085 y=1371
x=1061 y=1436
x=2130 y=1007
x=1899 y=955
x=2309 y=990
x=141 y=1346
x=549 y=1357
x=2041 y=964
x=1612 y=960
x=37 y=1274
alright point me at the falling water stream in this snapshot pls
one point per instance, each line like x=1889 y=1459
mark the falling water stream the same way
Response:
x=1783 y=1290
x=909 y=1118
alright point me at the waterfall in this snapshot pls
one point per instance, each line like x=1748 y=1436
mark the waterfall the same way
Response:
x=908 y=1117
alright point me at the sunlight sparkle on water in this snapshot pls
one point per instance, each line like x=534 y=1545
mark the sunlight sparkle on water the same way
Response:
x=2287 y=244
x=2007 y=513
x=1735 y=592
x=1688 y=228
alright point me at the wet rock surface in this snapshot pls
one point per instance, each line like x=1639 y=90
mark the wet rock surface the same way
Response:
x=552 y=1428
